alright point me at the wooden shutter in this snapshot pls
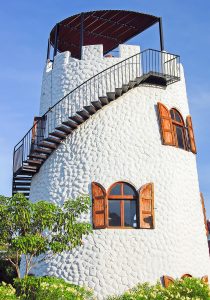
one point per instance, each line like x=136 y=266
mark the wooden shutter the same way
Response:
x=167 y=280
x=204 y=213
x=146 y=206
x=166 y=125
x=205 y=279
x=99 y=205
x=191 y=134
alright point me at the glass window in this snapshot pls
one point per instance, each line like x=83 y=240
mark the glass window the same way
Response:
x=128 y=190
x=179 y=128
x=177 y=117
x=130 y=213
x=116 y=190
x=180 y=139
x=122 y=206
x=114 y=213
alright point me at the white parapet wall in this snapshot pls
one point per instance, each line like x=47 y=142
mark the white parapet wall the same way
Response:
x=122 y=142
x=66 y=73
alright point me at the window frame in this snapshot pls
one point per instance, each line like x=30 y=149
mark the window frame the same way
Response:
x=181 y=125
x=121 y=198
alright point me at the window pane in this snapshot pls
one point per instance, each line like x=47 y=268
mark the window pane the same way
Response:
x=114 y=213
x=128 y=190
x=130 y=213
x=172 y=114
x=177 y=117
x=179 y=133
x=116 y=190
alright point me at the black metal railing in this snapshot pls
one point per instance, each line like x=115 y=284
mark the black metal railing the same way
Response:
x=148 y=62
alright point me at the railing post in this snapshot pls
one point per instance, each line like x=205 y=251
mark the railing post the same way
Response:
x=56 y=40
x=48 y=50
x=161 y=34
x=81 y=34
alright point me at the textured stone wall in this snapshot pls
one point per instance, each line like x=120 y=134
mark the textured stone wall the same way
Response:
x=122 y=142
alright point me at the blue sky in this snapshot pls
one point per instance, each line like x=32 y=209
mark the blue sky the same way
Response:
x=24 y=29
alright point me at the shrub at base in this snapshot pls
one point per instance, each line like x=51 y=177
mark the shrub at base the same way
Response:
x=48 y=288
x=186 y=289
x=7 y=292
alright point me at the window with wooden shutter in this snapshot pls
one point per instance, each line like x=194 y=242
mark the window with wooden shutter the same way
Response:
x=122 y=205
x=167 y=280
x=191 y=134
x=166 y=125
x=179 y=129
x=146 y=206
x=99 y=206
x=204 y=213
x=205 y=279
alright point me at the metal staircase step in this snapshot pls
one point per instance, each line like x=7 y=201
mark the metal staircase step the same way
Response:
x=22 y=178
x=125 y=88
x=26 y=171
x=58 y=134
x=139 y=80
x=84 y=114
x=64 y=128
x=91 y=109
x=20 y=184
x=77 y=119
x=21 y=189
x=39 y=156
x=104 y=100
x=42 y=150
x=111 y=96
x=34 y=162
x=118 y=92
x=70 y=123
x=97 y=104
x=53 y=140
x=132 y=83
x=47 y=145
x=26 y=165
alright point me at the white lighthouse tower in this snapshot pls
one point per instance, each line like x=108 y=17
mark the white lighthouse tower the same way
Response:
x=116 y=125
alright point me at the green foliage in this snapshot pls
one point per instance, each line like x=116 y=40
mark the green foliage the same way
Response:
x=32 y=229
x=187 y=289
x=48 y=288
x=7 y=292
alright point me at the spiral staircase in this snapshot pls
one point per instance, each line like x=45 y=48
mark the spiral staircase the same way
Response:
x=149 y=67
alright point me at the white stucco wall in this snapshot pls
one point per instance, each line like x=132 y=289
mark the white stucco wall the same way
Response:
x=122 y=142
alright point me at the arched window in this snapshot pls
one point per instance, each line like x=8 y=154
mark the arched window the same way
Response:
x=122 y=205
x=179 y=129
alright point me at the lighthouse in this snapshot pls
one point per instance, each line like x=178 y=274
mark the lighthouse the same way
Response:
x=115 y=124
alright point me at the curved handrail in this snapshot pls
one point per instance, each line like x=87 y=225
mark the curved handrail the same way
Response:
x=82 y=84
x=98 y=85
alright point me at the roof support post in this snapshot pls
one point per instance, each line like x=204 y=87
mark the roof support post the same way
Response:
x=161 y=35
x=81 y=33
x=48 y=50
x=56 y=40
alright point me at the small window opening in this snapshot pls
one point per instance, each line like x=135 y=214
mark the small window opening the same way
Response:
x=122 y=206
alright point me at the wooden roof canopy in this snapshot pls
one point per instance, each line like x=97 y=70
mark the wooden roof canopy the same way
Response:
x=107 y=27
